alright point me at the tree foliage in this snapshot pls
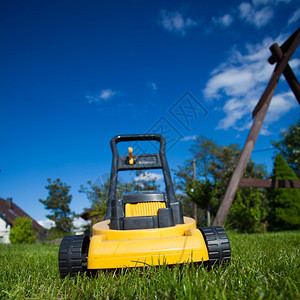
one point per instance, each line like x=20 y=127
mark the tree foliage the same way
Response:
x=21 y=232
x=58 y=203
x=98 y=195
x=289 y=147
x=200 y=192
x=204 y=151
x=215 y=165
x=248 y=212
x=285 y=203
x=249 y=209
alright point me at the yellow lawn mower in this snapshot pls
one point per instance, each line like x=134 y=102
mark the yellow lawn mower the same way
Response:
x=142 y=228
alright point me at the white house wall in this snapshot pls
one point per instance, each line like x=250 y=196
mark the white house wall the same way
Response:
x=4 y=232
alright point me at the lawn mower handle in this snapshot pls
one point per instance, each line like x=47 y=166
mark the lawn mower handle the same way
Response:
x=137 y=137
x=114 y=169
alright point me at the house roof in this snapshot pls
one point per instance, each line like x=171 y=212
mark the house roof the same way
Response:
x=9 y=211
x=86 y=215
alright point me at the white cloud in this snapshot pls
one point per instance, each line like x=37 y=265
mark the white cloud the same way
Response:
x=241 y=72
x=261 y=2
x=224 y=21
x=47 y=223
x=104 y=95
x=241 y=81
x=280 y=105
x=257 y=13
x=265 y=131
x=107 y=94
x=271 y=2
x=79 y=223
x=188 y=138
x=295 y=65
x=257 y=17
x=235 y=110
x=295 y=17
x=175 y=22
x=234 y=82
x=148 y=176
x=152 y=86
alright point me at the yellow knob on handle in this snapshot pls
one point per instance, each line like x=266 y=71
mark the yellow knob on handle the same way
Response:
x=130 y=150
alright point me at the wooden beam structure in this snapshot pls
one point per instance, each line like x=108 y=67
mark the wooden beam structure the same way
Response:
x=269 y=183
x=259 y=113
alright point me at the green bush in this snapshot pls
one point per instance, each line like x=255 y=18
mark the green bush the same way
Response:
x=285 y=202
x=21 y=232
x=247 y=212
x=55 y=233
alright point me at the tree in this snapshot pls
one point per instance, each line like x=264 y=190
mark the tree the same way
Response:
x=21 y=232
x=98 y=198
x=289 y=147
x=58 y=202
x=285 y=202
x=249 y=209
x=98 y=195
x=203 y=150
x=215 y=165
x=224 y=162
x=221 y=169
x=202 y=193
x=247 y=213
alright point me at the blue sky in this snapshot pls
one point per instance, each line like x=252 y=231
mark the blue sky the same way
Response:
x=76 y=73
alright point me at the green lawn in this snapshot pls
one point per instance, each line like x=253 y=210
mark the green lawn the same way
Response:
x=263 y=266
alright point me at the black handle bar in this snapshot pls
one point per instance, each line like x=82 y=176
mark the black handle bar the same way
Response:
x=137 y=137
x=114 y=169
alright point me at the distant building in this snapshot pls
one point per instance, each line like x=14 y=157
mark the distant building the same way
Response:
x=9 y=211
x=86 y=215
x=91 y=218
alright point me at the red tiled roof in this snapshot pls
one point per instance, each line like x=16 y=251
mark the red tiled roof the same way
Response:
x=10 y=211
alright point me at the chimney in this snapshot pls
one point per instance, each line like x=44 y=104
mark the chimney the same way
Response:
x=9 y=202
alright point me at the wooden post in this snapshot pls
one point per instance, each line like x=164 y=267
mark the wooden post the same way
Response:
x=208 y=214
x=195 y=210
x=259 y=112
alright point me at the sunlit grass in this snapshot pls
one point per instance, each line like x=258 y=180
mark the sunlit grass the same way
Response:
x=263 y=266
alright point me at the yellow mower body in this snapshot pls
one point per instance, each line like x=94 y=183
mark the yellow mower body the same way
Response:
x=110 y=249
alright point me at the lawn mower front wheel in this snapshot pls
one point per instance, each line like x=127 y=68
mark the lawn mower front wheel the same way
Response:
x=217 y=244
x=72 y=257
